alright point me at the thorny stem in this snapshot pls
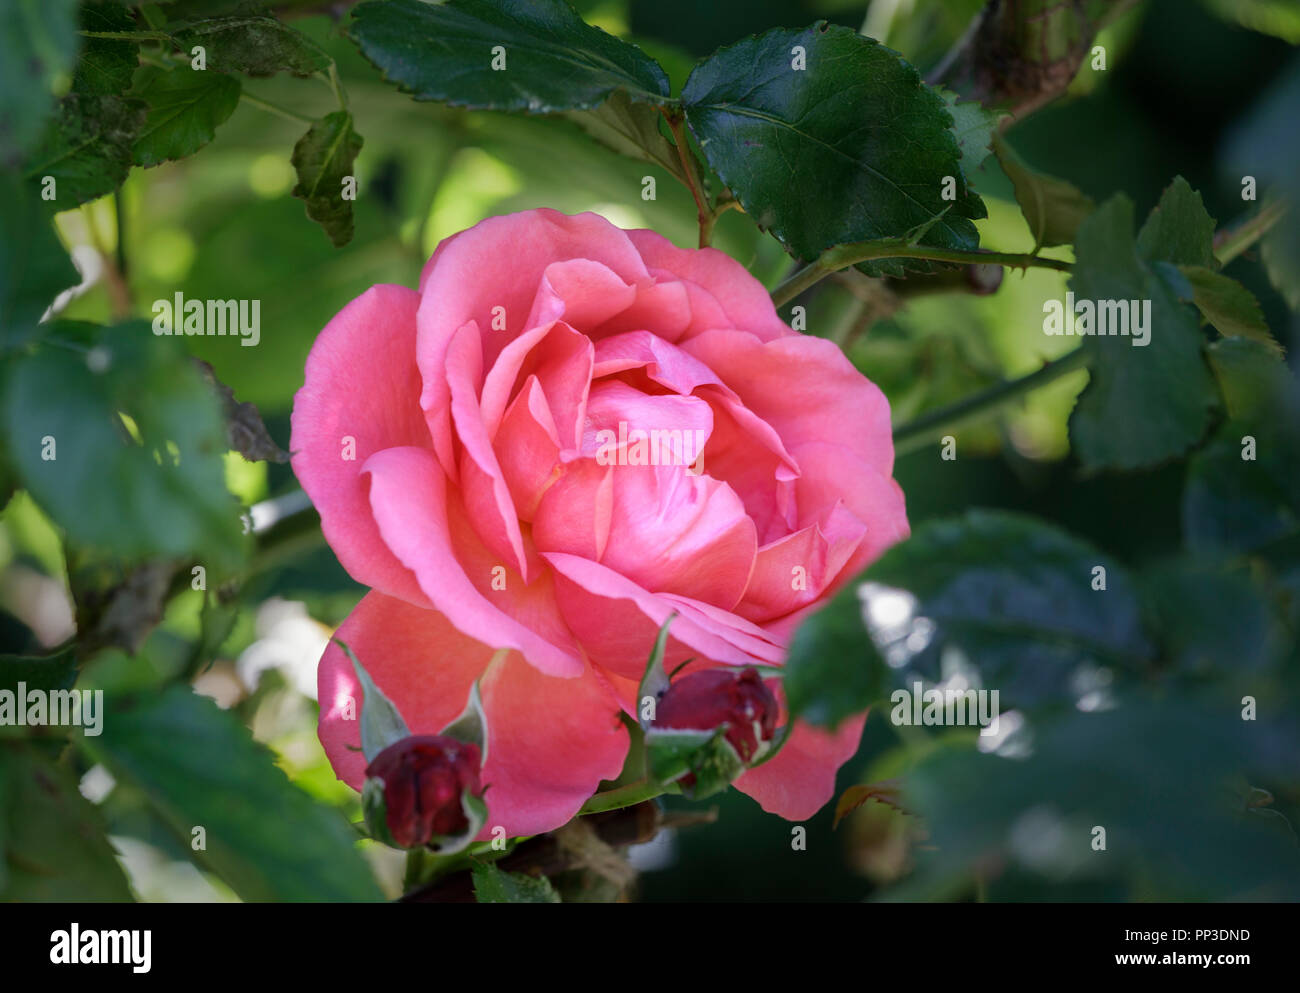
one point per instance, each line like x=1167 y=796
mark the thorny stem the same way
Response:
x=936 y=423
x=1231 y=242
x=843 y=256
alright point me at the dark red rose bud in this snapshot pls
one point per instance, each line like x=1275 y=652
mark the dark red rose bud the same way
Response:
x=704 y=700
x=424 y=776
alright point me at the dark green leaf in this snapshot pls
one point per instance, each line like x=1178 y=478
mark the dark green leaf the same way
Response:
x=323 y=158
x=185 y=108
x=1266 y=147
x=1234 y=504
x=631 y=129
x=1210 y=622
x=34 y=268
x=854 y=147
x=87 y=147
x=255 y=44
x=164 y=495
x=1229 y=306
x=52 y=842
x=1155 y=777
x=553 y=60
x=494 y=885
x=1142 y=404
x=1178 y=229
x=1053 y=208
x=105 y=65
x=200 y=768
x=1011 y=596
x=44 y=672
x=38 y=41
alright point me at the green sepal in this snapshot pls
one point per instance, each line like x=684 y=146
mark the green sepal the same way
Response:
x=672 y=753
x=471 y=726
x=381 y=723
x=655 y=679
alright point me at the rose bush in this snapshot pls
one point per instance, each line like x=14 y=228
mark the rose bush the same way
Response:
x=456 y=442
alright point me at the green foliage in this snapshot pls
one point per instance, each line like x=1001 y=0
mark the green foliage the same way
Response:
x=1053 y=208
x=552 y=59
x=1011 y=597
x=52 y=843
x=34 y=268
x=264 y=837
x=1155 y=777
x=1122 y=660
x=1243 y=488
x=856 y=120
x=87 y=146
x=975 y=129
x=158 y=490
x=105 y=65
x=494 y=885
x=255 y=44
x=323 y=159
x=38 y=41
x=1143 y=404
x=185 y=109
x=45 y=672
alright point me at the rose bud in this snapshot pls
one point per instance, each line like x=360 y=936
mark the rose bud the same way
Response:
x=424 y=778
x=705 y=700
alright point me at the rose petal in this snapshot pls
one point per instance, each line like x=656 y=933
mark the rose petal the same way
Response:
x=528 y=448
x=617 y=621
x=360 y=395
x=800 y=780
x=466 y=279
x=409 y=500
x=739 y=296
x=796 y=570
x=806 y=389
x=550 y=741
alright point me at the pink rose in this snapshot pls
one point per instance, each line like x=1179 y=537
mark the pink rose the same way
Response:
x=475 y=450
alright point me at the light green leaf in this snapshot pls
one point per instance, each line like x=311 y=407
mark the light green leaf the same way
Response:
x=494 y=885
x=185 y=109
x=1053 y=208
